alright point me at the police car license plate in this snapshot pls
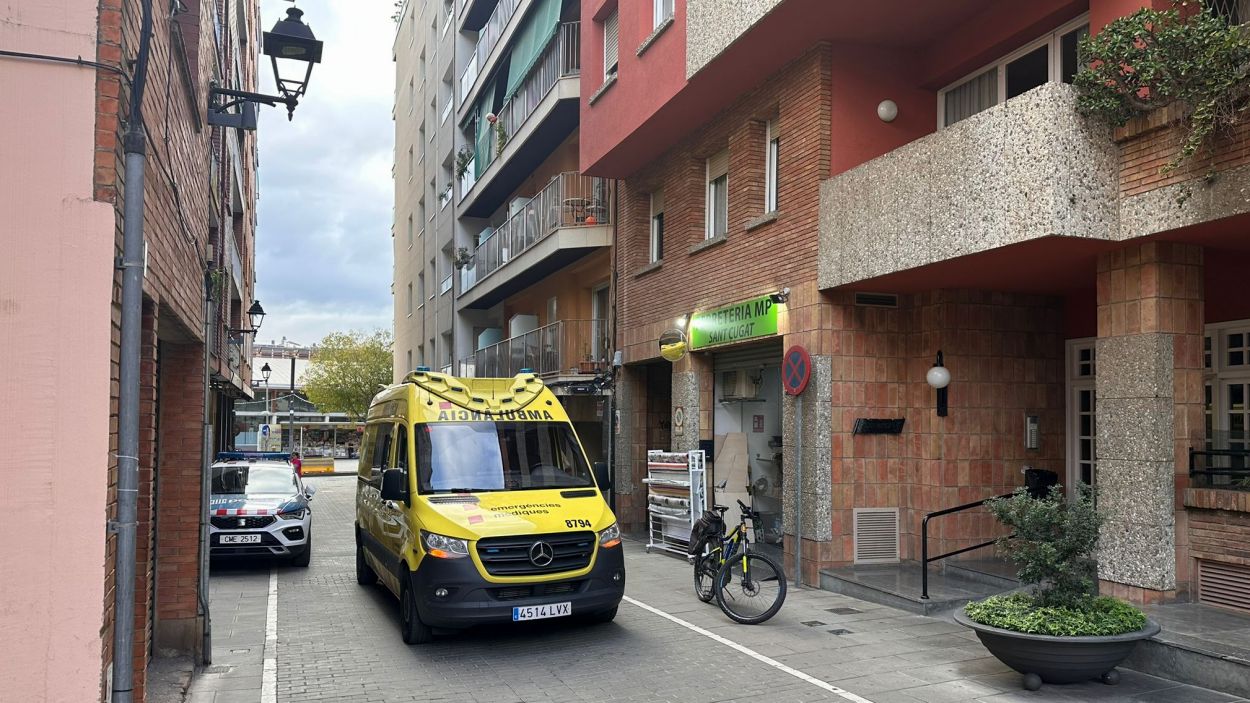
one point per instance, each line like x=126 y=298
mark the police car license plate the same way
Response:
x=240 y=539
x=538 y=612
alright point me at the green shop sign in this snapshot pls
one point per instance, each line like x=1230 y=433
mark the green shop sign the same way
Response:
x=749 y=319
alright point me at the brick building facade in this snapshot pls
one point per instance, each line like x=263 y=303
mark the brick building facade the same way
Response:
x=199 y=230
x=1069 y=284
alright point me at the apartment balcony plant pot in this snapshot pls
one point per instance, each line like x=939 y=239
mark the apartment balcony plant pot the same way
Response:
x=587 y=367
x=1058 y=660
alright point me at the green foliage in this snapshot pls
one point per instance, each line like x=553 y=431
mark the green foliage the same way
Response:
x=1053 y=542
x=1021 y=612
x=1153 y=58
x=346 y=370
x=464 y=157
x=501 y=137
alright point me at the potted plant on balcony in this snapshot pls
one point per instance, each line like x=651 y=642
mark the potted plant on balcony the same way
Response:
x=464 y=157
x=464 y=258
x=1060 y=631
x=587 y=365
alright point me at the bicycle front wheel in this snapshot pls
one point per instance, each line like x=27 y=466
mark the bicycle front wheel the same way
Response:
x=750 y=588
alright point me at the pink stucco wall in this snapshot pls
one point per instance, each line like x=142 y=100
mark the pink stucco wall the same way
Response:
x=55 y=286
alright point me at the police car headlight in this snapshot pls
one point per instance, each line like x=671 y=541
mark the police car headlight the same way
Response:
x=444 y=547
x=294 y=514
x=610 y=537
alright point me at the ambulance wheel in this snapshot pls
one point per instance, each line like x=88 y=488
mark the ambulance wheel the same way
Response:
x=365 y=575
x=411 y=628
x=304 y=557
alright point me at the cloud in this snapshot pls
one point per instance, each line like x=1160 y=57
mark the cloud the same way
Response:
x=323 y=243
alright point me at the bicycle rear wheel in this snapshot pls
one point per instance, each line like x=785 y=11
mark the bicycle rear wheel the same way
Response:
x=750 y=588
x=705 y=569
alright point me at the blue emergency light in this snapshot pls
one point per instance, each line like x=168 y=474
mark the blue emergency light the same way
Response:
x=243 y=456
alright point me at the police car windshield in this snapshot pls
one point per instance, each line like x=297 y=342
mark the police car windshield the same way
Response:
x=499 y=456
x=245 y=479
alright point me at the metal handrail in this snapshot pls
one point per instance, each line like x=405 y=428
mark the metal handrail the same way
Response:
x=925 y=559
x=1194 y=471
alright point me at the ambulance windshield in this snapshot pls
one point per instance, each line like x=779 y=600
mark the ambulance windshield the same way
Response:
x=467 y=457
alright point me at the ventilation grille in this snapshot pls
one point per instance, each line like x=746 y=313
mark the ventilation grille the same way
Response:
x=876 y=535
x=877 y=300
x=1226 y=585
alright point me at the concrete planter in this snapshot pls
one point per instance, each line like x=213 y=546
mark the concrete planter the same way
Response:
x=1051 y=659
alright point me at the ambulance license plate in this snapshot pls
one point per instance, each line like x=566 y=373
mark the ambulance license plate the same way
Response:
x=240 y=539
x=538 y=612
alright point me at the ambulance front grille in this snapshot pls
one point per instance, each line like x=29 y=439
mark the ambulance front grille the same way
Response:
x=511 y=556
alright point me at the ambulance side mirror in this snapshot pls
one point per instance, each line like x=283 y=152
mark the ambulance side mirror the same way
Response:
x=601 y=475
x=393 y=485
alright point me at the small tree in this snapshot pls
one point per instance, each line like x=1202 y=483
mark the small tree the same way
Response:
x=346 y=370
x=1053 y=542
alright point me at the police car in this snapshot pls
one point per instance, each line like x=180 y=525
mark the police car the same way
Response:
x=259 y=507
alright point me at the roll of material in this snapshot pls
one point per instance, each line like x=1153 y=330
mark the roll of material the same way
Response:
x=669 y=502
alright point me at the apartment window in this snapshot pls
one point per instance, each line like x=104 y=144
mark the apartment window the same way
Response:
x=410 y=232
x=409 y=299
x=1226 y=408
x=412 y=95
x=434 y=276
x=410 y=164
x=552 y=310
x=657 y=226
x=409 y=367
x=718 y=195
x=420 y=289
x=421 y=211
x=772 y=150
x=610 y=42
x=663 y=10
x=1052 y=57
x=421 y=354
x=433 y=191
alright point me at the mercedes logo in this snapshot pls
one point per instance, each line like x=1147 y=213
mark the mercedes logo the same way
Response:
x=541 y=554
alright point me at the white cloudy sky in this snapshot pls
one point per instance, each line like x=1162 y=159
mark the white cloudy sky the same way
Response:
x=323 y=245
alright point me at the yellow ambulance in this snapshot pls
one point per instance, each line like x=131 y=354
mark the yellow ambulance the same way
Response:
x=475 y=504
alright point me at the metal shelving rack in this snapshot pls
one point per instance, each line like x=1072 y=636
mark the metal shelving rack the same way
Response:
x=676 y=497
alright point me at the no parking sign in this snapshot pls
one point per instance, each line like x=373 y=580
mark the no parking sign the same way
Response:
x=796 y=370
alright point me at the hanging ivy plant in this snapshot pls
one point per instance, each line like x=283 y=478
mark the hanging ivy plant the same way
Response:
x=464 y=157
x=501 y=137
x=1185 y=56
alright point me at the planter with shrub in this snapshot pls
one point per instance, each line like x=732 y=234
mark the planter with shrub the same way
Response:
x=1060 y=631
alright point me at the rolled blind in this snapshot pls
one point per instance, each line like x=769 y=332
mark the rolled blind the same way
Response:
x=610 y=37
x=657 y=202
x=718 y=165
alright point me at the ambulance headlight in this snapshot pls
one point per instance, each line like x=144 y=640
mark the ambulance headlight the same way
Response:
x=444 y=547
x=610 y=537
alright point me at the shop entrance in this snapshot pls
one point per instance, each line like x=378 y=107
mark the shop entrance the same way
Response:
x=747 y=444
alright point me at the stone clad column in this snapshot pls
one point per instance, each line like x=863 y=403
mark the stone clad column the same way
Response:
x=1149 y=412
x=692 y=392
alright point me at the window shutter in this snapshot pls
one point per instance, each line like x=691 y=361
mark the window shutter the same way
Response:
x=657 y=202
x=610 y=39
x=718 y=165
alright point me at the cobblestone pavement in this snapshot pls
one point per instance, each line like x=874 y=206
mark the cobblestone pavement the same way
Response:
x=338 y=641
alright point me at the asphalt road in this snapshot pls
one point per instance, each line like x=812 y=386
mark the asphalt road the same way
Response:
x=283 y=633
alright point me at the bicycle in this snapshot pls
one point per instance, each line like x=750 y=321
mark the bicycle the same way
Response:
x=748 y=586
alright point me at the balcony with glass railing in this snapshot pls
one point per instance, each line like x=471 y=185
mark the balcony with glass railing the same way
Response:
x=544 y=105
x=445 y=285
x=563 y=348
x=577 y=208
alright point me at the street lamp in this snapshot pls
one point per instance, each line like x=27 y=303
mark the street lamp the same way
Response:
x=293 y=42
x=264 y=374
x=256 y=315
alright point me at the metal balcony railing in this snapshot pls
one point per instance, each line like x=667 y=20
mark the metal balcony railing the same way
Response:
x=490 y=33
x=565 y=347
x=560 y=59
x=468 y=77
x=569 y=200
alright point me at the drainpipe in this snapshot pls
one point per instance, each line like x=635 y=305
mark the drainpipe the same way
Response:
x=131 y=265
x=206 y=463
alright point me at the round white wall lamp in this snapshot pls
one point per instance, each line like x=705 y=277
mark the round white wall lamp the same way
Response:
x=887 y=110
